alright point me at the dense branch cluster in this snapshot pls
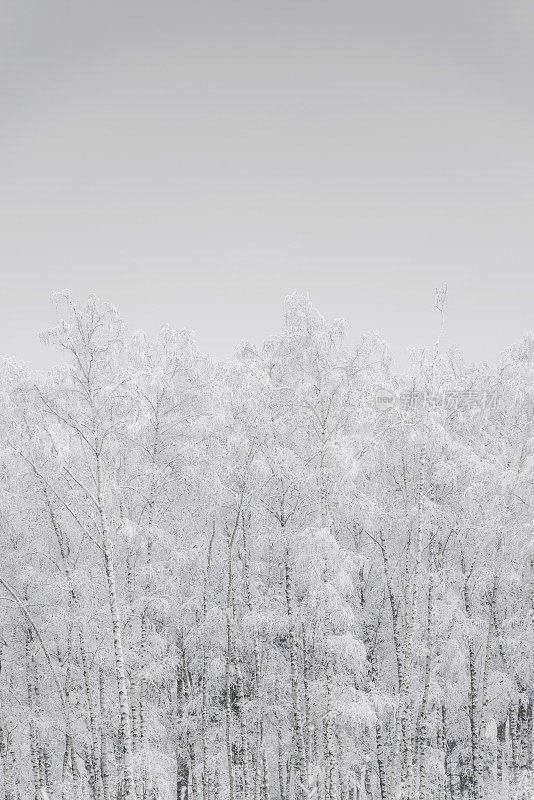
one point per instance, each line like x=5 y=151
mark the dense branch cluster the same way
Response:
x=247 y=580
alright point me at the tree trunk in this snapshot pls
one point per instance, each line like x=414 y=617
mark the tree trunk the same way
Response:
x=428 y=660
x=402 y=722
x=125 y=727
x=297 y=718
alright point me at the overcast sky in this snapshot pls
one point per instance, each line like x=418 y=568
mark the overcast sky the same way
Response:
x=195 y=162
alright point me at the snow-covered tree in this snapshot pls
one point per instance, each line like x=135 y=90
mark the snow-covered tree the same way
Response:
x=246 y=580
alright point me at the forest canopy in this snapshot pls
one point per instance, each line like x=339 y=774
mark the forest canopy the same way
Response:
x=295 y=574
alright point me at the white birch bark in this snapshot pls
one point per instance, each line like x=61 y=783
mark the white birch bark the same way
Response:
x=402 y=721
x=125 y=725
x=295 y=693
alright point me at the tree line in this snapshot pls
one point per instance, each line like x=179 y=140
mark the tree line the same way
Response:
x=251 y=580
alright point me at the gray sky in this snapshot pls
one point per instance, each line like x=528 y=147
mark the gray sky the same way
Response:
x=195 y=162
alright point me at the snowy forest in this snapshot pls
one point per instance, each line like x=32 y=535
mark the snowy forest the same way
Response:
x=297 y=574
